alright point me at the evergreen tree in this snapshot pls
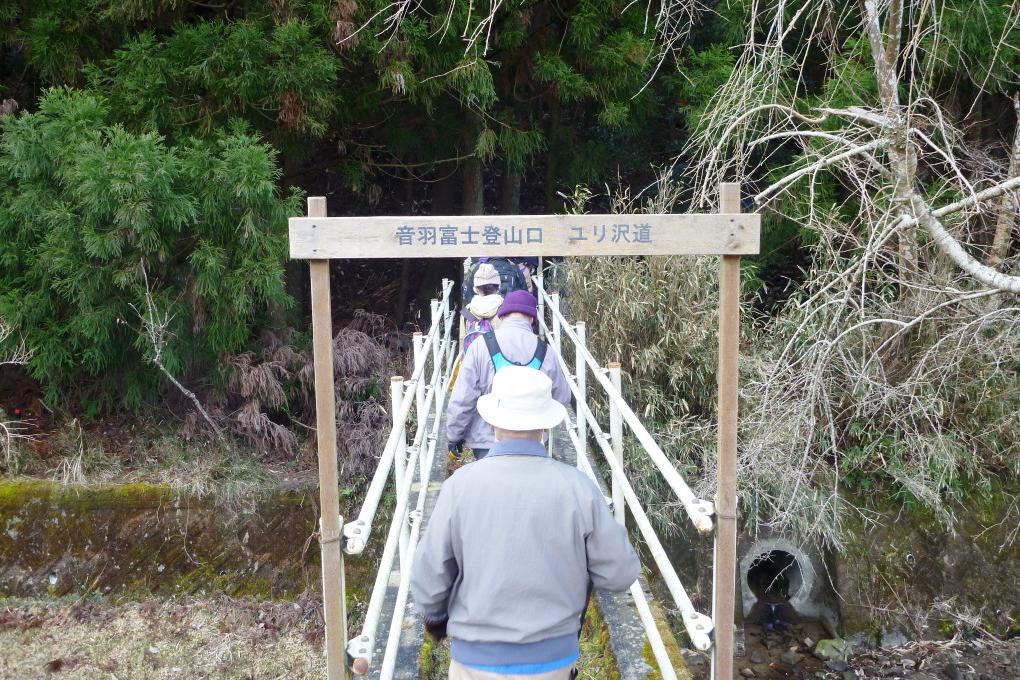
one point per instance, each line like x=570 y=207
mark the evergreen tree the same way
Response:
x=87 y=206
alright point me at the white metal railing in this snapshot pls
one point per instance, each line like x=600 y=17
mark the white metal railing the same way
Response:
x=438 y=349
x=358 y=531
x=699 y=626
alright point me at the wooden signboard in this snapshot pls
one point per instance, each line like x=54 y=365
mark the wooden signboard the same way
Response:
x=321 y=238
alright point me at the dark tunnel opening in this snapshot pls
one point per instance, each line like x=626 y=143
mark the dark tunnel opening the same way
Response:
x=774 y=576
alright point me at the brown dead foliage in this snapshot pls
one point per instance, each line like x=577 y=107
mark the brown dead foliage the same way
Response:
x=267 y=397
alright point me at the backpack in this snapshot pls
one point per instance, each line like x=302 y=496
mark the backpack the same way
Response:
x=500 y=361
x=474 y=329
x=511 y=277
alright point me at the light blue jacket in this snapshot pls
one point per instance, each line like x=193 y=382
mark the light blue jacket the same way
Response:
x=518 y=343
x=508 y=553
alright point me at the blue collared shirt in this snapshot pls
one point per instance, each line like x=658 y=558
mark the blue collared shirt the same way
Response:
x=518 y=447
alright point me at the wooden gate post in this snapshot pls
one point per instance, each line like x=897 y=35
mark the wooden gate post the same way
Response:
x=725 y=578
x=330 y=527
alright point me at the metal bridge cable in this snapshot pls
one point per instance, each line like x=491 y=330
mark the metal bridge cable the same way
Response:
x=357 y=532
x=700 y=511
x=699 y=626
x=357 y=646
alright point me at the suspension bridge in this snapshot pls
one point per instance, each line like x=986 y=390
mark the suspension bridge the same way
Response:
x=388 y=643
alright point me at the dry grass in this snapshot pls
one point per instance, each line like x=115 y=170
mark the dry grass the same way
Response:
x=12 y=430
x=218 y=638
x=197 y=638
x=269 y=395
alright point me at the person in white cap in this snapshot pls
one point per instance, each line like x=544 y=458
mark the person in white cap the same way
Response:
x=514 y=544
x=482 y=308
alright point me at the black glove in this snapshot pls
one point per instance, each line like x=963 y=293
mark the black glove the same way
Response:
x=456 y=448
x=436 y=628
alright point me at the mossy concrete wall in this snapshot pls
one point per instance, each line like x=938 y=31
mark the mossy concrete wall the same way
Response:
x=905 y=571
x=145 y=539
x=901 y=569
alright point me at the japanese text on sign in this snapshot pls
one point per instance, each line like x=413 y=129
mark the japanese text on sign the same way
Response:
x=491 y=235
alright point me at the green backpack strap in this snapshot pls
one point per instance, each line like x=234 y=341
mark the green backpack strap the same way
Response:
x=499 y=360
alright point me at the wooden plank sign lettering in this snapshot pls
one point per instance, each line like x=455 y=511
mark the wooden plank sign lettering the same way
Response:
x=317 y=238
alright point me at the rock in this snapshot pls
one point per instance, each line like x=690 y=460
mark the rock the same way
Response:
x=952 y=671
x=696 y=660
x=747 y=672
x=757 y=656
x=837 y=665
x=985 y=676
x=809 y=643
x=828 y=650
x=908 y=663
x=859 y=641
x=893 y=638
x=790 y=658
x=849 y=675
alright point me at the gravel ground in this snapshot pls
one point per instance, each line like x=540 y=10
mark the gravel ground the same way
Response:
x=958 y=659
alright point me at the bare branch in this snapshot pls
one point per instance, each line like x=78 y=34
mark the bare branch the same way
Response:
x=156 y=326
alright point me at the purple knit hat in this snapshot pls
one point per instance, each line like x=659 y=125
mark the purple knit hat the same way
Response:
x=519 y=301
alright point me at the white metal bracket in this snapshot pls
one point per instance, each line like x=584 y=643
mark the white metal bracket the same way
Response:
x=359 y=654
x=702 y=512
x=700 y=628
x=356 y=533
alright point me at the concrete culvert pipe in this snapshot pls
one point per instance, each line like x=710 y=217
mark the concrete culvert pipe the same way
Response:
x=778 y=571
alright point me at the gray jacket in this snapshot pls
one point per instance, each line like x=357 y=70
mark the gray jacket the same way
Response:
x=511 y=546
x=518 y=343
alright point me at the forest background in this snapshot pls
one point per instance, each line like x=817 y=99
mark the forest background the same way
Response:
x=153 y=149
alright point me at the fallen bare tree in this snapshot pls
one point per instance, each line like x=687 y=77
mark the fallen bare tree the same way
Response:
x=899 y=352
x=893 y=363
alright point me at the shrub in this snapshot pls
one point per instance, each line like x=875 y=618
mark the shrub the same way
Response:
x=87 y=207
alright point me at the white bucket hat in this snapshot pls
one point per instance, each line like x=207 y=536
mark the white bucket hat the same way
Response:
x=486 y=275
x=521 y=400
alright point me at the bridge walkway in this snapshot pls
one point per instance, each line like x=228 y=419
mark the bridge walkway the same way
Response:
x=391 y=638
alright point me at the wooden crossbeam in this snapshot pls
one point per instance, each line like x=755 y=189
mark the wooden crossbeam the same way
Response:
x=316 y=238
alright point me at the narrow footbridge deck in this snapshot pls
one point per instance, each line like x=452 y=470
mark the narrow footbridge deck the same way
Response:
x=390 y=640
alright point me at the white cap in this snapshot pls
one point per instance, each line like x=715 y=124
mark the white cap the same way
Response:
x=486 y=275
x=521 y=400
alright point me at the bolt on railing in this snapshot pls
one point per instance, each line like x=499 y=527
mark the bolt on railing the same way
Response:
x=699 y=627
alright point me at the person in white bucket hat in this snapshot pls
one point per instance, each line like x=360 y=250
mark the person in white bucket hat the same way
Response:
x=514 y=544
x=520 y=401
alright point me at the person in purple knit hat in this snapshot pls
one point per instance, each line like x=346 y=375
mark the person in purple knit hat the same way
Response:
x=513 y=343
